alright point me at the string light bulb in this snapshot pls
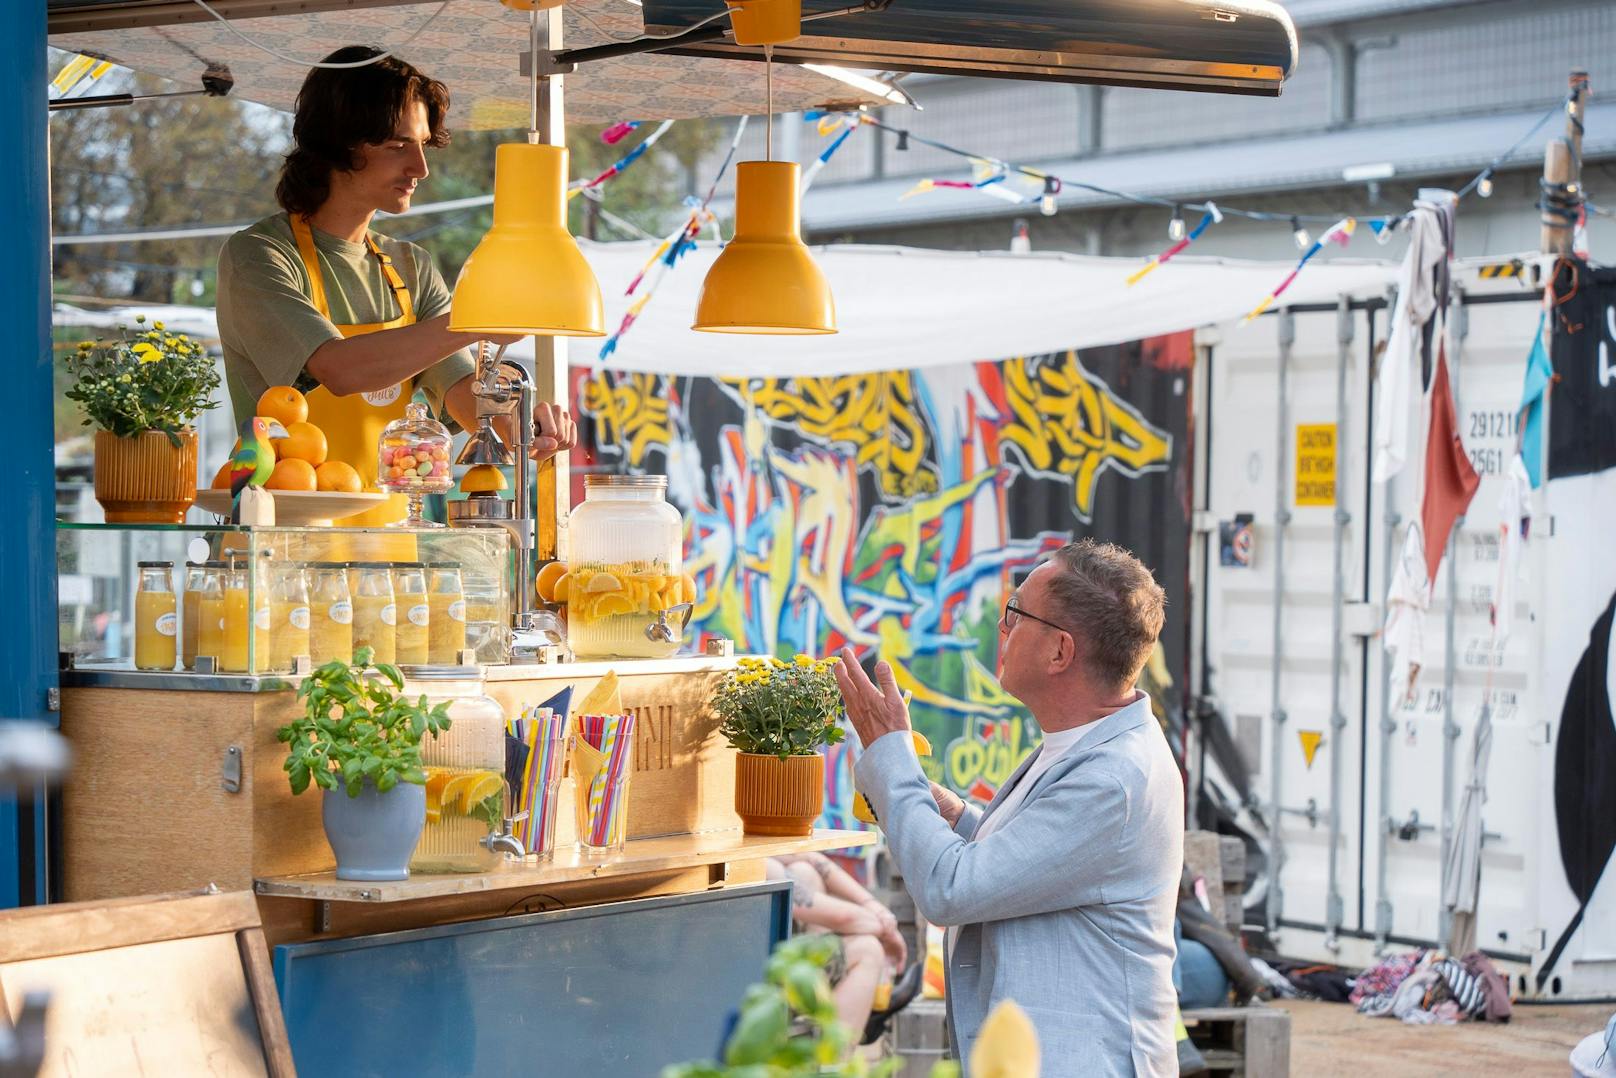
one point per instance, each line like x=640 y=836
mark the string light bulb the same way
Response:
x=1484 y=186
x=1299 y=232
x=1047 y=204
x=1175 y=227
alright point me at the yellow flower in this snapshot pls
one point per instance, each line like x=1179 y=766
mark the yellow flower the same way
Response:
x=775 y=662
x=158 y=325
x=85 y=346
x=147 y=353
x=803 y=661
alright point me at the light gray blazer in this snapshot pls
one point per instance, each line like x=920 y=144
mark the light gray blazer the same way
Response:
x=1067 y=908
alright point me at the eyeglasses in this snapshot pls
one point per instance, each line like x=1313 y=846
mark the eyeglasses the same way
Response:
x=1014 y=613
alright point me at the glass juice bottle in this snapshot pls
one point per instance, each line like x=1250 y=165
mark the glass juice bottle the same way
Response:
x=465 y=772
x=191 y=612
x=414 y=612
x=246 y=618
x=156 y=620
x=625 y=572
x=374 y=615
x=330 y=612
x=210 y=612
x=288 y=616
x=446 y=631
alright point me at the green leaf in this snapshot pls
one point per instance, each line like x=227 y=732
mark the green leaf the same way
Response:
x=762 y=1025
x=388 y=780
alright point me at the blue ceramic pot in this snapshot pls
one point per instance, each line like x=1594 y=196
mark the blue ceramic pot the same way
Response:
x=374 y=834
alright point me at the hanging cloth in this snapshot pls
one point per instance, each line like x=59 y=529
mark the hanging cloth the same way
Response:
x=353 y=424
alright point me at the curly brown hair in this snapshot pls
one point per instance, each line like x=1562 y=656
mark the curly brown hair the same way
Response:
x=340 y=110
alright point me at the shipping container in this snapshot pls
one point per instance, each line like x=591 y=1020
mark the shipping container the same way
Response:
x=1364 y=773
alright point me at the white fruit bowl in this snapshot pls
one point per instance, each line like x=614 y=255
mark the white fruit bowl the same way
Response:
x=299 y=508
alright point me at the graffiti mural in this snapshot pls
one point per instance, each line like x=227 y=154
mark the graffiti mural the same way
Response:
x=895 y=512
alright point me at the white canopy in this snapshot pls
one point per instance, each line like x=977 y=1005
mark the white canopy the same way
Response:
x=901 y=308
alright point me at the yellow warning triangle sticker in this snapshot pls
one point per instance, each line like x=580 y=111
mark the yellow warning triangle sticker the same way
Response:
x=1311 y=740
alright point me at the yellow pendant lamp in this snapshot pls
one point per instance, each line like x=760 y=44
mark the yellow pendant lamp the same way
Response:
x=527 y=276
x=766 y=281
x=765 y=22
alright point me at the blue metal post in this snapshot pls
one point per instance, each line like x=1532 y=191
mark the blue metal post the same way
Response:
x=27 y=529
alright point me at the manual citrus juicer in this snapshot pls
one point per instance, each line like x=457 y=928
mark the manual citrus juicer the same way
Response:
x=500 y=382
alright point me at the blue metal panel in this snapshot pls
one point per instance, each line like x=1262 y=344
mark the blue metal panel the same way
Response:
x=619 y=989
x=27 y=546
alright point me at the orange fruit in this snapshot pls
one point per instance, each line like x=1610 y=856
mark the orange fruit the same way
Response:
x=292 y=475
x=221 y=478
x=285 y=404
x=546 y=582
x=561 y=589
x=689 y=588
x=482 y=479
x=303 y=441
x=612 y=605
x=337 y=476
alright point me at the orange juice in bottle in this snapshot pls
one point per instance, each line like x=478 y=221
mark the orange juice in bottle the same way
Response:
x=374 y=615
x=330 y=612
x=156 y=622
x=446 y=632
x=210 y=612
x=288 y=617
x=246 y=620
x=196 y=575
x=413 y=612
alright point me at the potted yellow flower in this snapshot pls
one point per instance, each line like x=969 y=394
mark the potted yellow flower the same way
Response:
x=141 y=390
x=777 y=715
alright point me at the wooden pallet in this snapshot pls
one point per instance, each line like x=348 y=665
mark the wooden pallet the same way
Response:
x=1246 y=1042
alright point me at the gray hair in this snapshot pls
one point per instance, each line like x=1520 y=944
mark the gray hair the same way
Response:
x=1108 y=596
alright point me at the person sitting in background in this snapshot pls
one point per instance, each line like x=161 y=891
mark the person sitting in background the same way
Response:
x=824 y=898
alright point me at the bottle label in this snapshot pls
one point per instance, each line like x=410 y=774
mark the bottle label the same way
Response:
x=420 y=614
x=261 y=618
x=389 y=614
x=299 y=617
x=168 y=624
x=341 y=612
x=457 y=610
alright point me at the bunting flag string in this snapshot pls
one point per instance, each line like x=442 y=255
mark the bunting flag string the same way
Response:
x=623 y=164
x=818 y=163
x=618 y=131
x=1339 y=233
x=1213 y=216
x=671 y=249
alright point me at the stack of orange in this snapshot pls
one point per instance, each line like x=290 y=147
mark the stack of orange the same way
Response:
x=300 y=457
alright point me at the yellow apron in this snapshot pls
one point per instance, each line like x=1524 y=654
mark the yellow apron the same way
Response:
x=353 y=424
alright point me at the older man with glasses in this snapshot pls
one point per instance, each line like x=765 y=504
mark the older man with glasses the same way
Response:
x=1060 y=894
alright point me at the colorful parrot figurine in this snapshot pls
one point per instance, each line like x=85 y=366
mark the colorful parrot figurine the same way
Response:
x=252 y=461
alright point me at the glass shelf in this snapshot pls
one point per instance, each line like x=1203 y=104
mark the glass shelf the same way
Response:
x=97 y=575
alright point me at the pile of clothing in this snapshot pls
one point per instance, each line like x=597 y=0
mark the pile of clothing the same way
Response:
x=1431 y=988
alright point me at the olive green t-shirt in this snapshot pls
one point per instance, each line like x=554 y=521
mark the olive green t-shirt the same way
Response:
x=269 y=326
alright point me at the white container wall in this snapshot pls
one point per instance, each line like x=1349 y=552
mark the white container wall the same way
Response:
x=1368 y=777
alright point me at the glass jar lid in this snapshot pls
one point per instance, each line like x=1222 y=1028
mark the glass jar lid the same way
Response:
x=627 y=482
x=440 y=673
x=443 y=565
x=154 y=564
x=326 y=565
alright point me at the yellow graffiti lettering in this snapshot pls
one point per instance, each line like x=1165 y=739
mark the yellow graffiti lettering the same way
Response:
x=875 y=415
x=1065 y=423
x=986 y=756
x=632 y=412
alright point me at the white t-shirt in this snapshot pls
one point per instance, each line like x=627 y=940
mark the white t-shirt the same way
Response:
x=1054 y=747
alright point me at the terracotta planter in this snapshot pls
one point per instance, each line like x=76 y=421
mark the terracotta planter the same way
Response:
x=145 y=479
x=779 y=797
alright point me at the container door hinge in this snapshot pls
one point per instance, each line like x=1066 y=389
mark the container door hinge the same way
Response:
x=1540 y=733
x=230 y=770
x=53 y=700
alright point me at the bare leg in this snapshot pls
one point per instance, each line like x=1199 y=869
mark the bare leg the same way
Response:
x=856 y=993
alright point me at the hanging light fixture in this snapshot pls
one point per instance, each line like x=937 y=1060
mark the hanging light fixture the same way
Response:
x=1175 y=227
x=527 y=275
x=765 y=22
x=766 y=281
x=1299 y=233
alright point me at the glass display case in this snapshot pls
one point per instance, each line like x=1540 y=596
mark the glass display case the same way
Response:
x=242 y=601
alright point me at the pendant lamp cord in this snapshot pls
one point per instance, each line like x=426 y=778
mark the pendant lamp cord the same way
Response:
x=768 y=103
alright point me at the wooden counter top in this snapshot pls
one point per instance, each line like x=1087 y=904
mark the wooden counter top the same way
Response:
x=645 y=855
